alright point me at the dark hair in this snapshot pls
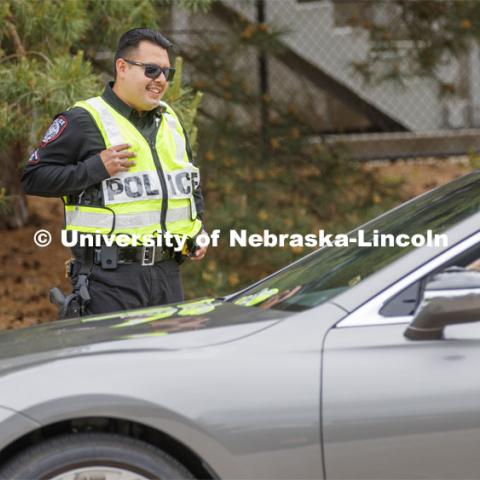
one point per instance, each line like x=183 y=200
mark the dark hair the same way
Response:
x=131 y=39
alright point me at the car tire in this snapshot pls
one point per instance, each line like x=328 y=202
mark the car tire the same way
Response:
x=99 y=456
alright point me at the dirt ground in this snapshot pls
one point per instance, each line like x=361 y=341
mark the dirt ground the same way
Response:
x=27 y=272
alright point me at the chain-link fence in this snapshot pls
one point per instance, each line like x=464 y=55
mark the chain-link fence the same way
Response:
x=314 y=69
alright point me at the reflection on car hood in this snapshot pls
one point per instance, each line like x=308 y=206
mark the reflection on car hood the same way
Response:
x=186 y=325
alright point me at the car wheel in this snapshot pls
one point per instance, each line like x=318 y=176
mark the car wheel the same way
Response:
x=93 y=456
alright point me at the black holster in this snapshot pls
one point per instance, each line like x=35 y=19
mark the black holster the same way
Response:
x=75 y=304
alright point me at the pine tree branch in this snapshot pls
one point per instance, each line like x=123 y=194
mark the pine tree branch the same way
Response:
x=31 y=52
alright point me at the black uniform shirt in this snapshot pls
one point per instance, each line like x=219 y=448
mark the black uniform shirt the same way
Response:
x=67 y=161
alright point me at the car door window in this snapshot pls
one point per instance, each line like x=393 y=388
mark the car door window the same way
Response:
x=406 y=301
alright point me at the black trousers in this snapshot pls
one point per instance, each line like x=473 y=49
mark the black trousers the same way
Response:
x=132 y=285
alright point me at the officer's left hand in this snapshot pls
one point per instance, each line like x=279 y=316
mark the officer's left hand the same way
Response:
x=201 y=251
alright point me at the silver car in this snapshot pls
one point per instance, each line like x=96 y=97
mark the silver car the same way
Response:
x=353 y=362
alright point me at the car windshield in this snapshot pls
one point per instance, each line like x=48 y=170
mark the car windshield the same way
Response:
x=329 y=271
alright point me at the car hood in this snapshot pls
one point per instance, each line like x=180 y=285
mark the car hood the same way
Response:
x=171 y=327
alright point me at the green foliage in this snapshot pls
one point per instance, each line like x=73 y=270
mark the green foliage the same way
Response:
x=192 y=5
x=36 y=89
x=49 y=26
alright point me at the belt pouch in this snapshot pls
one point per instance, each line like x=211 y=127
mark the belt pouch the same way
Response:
x=109 y=257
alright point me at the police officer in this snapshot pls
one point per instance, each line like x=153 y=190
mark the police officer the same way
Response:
x=122 y=164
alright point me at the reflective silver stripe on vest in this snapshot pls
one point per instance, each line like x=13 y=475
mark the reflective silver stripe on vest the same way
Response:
x=109 y=124
x=125 y=220
x=77 y=218
x=177 y=138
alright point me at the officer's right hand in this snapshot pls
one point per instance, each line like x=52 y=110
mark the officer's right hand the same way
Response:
x=116 y=158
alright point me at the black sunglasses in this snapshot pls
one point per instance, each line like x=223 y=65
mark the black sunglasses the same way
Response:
x=154 y=71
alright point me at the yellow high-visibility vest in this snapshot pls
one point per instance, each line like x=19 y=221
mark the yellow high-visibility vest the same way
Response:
x=155 y=195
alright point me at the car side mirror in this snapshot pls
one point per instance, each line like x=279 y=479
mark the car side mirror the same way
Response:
x=450 y=297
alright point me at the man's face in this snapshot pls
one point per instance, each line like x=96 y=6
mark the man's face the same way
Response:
x=132 y=86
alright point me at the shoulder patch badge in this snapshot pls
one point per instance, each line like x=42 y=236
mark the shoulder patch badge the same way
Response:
x=54 y=130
